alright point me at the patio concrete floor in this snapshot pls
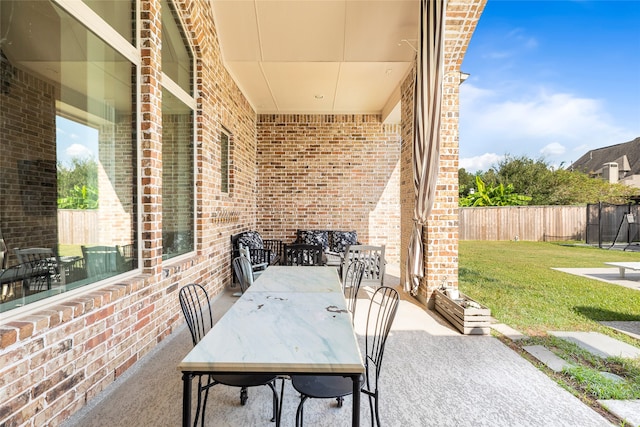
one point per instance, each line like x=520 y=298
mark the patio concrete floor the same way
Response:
x=432 y=376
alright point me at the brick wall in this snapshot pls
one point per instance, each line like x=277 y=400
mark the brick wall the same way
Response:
x=329 y=172
x=116 y=182
x=28 y=194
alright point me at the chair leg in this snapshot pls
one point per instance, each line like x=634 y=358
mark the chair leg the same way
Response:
x=374 y=408
x=244 y=396
x=300 y=411
x=202 y=404
x=371 y=410
x=276 y=410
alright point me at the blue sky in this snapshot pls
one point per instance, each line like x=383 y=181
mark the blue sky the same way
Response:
x=75 y=140
x=550 y=79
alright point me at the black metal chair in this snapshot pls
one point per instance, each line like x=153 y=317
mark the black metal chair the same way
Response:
x=351 y=285
x=44 y=268
x=244 y=273
x=303 y=254
x=382 y=311
x=196 y=308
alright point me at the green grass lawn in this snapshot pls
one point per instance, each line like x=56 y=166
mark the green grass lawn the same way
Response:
x=516 y=280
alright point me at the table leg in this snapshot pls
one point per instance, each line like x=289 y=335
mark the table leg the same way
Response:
x=186 y=399
x=355 y=416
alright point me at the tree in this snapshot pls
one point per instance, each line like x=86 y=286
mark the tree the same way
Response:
x=544 y=185
x=529 y=177
x=466 y=181
x=78 y=184
x=575 y=188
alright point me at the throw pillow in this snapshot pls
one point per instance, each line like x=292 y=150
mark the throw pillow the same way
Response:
x=251 y=239
x=314 y=237
x=341 y=239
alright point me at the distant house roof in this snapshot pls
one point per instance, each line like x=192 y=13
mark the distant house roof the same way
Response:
x=626 y=155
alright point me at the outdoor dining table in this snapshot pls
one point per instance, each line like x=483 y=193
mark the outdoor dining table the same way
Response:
x=292 y=320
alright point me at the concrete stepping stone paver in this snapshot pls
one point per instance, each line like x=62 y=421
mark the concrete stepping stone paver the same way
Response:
x=612 y=377
x=631 y=327
x=628 y=410
x=599 y=344
x=546 y=356
x=508 y=332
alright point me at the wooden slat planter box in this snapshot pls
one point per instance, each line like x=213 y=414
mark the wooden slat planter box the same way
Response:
x=469 y=321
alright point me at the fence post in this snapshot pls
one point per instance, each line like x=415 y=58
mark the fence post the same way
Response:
x=600 y=225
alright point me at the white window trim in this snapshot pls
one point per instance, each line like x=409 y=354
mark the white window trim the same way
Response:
x=178 y=92
x=94 y=23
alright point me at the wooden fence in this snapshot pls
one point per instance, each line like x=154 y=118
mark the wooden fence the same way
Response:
x=536 y=223
x=77 y=227
x=533 y=223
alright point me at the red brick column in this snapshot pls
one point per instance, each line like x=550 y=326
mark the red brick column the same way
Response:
x=151 y=137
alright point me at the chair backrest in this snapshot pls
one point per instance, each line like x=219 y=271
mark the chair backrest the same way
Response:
x=303 y=254
x=382 y=311
x=243 y=271
x=244 y=252
x=126 y=257
x=29 y=255
x=374 y=261
x=101 y=259
x=351 y=287
x=196 y=308
x=42 y=263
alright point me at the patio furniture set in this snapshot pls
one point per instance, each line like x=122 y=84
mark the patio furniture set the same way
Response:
x=311 y=248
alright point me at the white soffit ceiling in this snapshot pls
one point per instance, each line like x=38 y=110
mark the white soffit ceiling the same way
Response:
x=318 y=56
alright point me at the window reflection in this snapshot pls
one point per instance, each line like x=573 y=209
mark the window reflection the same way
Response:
x=177 y=177
x=68 y=155
x=176 y=55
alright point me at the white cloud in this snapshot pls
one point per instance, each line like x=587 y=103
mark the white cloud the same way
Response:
x=553 y=149
x=62 y=132
x=532 y=122
x=480 y=163
x=78 y=150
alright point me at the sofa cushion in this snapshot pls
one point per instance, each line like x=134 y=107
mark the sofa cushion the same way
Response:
x=341 y=239
x=251 y=240
x=314 y=237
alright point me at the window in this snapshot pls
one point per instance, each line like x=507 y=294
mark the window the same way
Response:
x=178 y=105
x=224 y=162
x=68 y=152
x=177 y=176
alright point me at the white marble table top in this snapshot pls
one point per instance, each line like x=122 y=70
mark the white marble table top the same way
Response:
x=273 y=330
x=279 y=278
